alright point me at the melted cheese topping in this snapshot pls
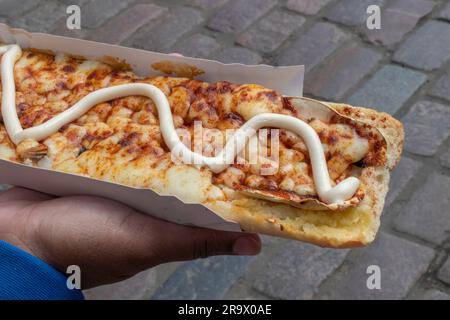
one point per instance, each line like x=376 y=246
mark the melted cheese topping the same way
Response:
x=121 y=140
x=338 y=194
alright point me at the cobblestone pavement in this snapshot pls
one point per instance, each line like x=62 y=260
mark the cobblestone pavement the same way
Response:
x=403 y=69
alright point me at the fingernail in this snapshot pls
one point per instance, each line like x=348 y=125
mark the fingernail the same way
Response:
x=246 y=246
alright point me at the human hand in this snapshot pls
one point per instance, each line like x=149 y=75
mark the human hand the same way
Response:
x=107 y=240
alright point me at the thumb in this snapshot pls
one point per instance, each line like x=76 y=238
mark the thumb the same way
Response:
x=172 y=242
x=205 y=243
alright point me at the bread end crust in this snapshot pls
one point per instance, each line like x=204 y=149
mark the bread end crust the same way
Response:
x=343 y=231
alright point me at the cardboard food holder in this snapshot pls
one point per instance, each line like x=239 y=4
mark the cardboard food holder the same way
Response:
x=286 y=80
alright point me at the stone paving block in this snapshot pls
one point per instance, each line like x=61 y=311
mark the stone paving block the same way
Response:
x=341 y=72
x=441 y=88
x=399 y=18
x=208 y=4
x=444 y=271
x=238 y=55
x=312 y=47
x=126 y=23
x=41 y=19
x=310 y=7
x=241 y=291
x=427 y=126
x=163 y=35
x=422 y=139
x=401 y=264
x=351 y=12
x=406 y=170
x=270 y=32
x=426 y=215
x=95 y=13
x=237 y=15
x=60 y=28
x=140 y=286
x=429 y=113
x=427 y=48
x=271 y=242
x=445 y=13
x=130 y=289
x=297 y=270
x=204 y=279
x=388 y=89
x=436 y=295
x=11 y=9
x=445 y=159
x=198 y=45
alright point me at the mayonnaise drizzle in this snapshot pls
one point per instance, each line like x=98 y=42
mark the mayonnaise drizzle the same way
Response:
x=328 y=194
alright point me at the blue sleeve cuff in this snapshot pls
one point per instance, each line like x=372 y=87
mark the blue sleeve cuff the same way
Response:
x=25 y=277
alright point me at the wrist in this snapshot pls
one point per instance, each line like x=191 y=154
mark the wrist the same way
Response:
x=14 y=230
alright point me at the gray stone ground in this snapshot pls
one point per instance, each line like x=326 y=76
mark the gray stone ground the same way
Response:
x=403 y=69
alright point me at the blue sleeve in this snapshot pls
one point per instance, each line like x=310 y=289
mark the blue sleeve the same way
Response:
x=25 y=277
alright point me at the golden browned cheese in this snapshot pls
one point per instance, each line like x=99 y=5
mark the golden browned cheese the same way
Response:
x=120 y=140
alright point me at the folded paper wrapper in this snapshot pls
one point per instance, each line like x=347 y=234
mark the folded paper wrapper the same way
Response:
x=286 y=80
